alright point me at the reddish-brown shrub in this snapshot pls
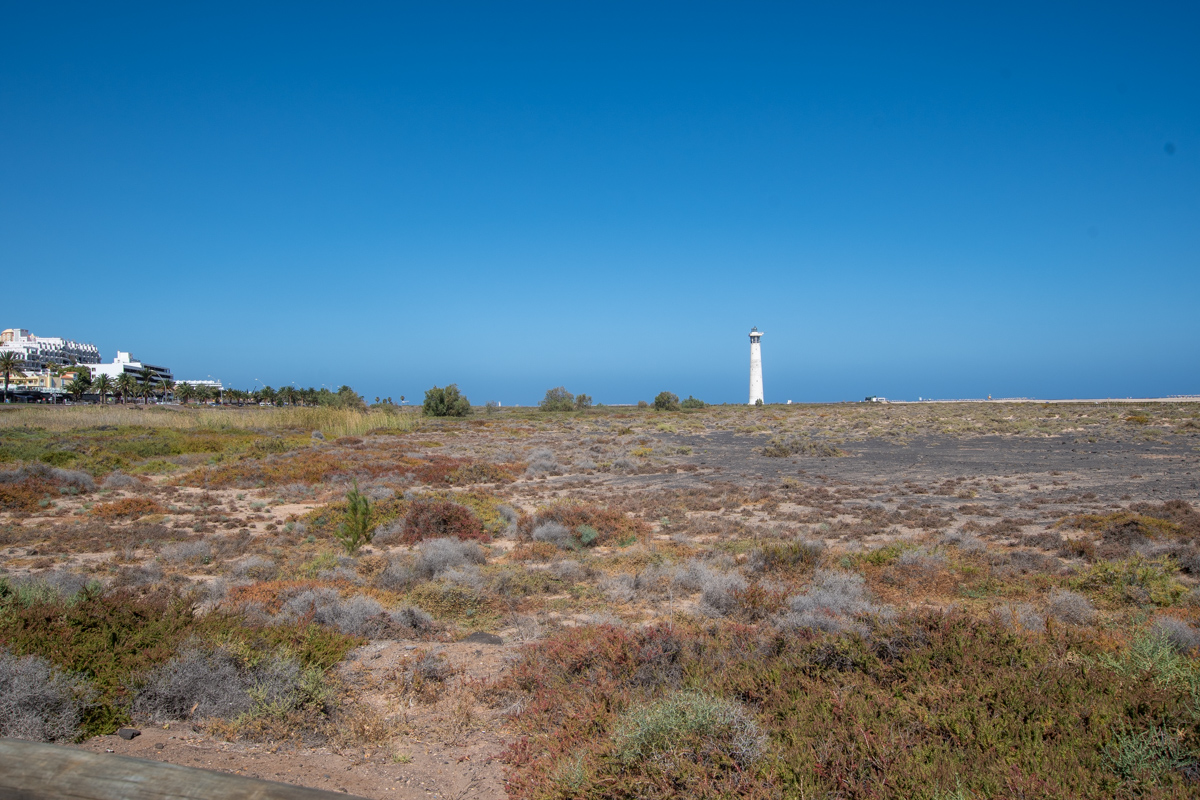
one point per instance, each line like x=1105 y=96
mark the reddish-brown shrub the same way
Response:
x=611 y=525
x=128 y=507
x=25 y=495
x=434 y=519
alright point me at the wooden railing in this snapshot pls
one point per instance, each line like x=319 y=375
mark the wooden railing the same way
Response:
x=30 y=771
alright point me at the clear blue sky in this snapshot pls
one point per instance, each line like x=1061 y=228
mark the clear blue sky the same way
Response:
x=940 y=200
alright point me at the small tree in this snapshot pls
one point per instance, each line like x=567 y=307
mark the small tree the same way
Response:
x=103 y=387
x=126 y=386
x=558 y=399
x=184 y=392
x=583 y=401
x=354 y=531
x=666 y=401
x=80 y=385
x=146 y=385
x=692 y=402
x=446 y=402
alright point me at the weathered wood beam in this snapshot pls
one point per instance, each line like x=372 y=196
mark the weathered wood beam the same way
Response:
x=31 y=771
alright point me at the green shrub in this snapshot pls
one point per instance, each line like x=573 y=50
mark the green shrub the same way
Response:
x=692 y=725
x=583 y=401
x=557 y=399
x=447 y=402
x=1133 y=581
x=666 y=401
x=1145 y=757
x=355 y=530
x=692 y=402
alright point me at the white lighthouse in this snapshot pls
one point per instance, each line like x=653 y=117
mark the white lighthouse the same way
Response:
x=756 y=390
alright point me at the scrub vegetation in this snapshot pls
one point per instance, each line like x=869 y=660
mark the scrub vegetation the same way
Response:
x=854 y=601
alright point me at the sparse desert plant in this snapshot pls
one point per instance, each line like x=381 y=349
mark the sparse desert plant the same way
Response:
x=583 y=401
x=566 y=570
x=1182 y=636
x=119 y=480
x=557 y=534
x=965 y=541
x=435 y=556
x=414 y=618
x=666 y=401
x=55 y=475
x=719 y=593
x=835 y=602
x=786 y=556
x=201 y=682
x=511 y=520
x=355 y=530
x=435 y=519
x=186 y=552
x=541 y=462
x=38 y=701
x=204 y=682
x=447 y=402
x=255 y=568
x=643 y=404
x=691 y=725
x=357 y=616
x=396 y=577
x=1070 y=607
x=1022 y=616
x=788 y=446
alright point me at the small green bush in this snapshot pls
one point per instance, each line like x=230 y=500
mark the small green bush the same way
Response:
x=583 y=401
x=558 y=399
x=355 y=530
x=692 y=402
x=692 y=725
x=447 y=402
x=666 y=401
x=1145 y=757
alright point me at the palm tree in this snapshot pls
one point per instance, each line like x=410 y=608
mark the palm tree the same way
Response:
x=80 y=384
x=10 y=365
x=166 y=387
x=185 y=392
x=103 y=387
x=126 y=385
x=146 y=385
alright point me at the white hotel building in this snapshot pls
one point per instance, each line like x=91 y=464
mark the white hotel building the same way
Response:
x=43 y=352
x=124 y=362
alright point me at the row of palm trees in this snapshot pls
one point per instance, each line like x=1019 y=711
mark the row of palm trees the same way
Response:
x=146 y=387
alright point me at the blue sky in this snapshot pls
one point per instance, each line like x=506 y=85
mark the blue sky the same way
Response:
x=911 y=200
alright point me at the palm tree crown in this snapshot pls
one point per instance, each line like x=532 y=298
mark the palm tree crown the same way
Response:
x=126 y=385
x=103 y=386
